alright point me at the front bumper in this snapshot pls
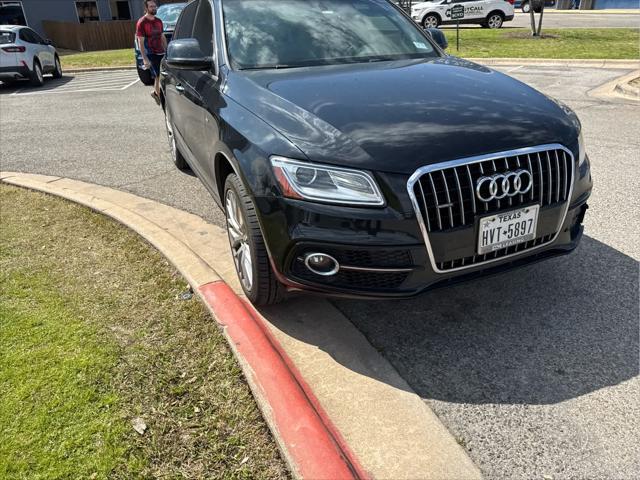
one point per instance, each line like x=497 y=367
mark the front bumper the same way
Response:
x=381 y=251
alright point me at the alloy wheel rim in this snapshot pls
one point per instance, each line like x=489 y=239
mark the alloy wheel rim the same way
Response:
x=526 y=8
x=170 y=136
x=431 y=22
x=58 y=67
x=39 y=72
x=495 y=21
x=239 y=240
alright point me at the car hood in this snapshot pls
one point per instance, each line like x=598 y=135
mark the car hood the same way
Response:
x=398 y=116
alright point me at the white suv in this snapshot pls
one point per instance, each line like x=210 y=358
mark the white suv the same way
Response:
x=488 y=13
x=25 y=54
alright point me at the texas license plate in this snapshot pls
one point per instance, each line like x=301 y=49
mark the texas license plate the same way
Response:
x=507 y=229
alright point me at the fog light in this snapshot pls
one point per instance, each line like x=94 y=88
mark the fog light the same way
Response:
x=321 y=264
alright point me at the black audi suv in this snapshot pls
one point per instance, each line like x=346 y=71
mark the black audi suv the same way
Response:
x=352 y=156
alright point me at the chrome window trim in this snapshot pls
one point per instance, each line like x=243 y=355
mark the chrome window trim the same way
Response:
x=477 y=159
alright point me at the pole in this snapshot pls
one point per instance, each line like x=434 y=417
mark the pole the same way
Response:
x=458 y=35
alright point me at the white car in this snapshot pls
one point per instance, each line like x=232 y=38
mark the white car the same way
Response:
x=488 y=13
x=25 y=54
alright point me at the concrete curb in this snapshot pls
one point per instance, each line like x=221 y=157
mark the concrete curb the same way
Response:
x=335 y=406
x=627 y=90
x=543 y=62
x=304 y=435
x=97 y=69
x=566 y=62
x=618 y=88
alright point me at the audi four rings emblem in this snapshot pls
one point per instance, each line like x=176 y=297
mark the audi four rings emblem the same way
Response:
x=510 y=184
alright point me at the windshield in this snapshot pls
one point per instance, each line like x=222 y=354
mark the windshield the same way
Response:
x=170 y=13
x=293 y=33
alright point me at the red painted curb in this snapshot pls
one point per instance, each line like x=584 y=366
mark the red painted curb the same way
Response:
x=313 y=443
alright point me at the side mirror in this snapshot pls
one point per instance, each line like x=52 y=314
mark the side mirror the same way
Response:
x=185 y=54
x=438 y=37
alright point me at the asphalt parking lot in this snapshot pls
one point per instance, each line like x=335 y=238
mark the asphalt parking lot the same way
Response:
x=535 y=372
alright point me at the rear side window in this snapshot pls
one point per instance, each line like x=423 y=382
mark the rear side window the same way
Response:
x=184 y=27
x=7 y=37
x=28 y=36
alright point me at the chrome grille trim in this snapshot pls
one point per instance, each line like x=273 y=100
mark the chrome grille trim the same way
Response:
x=546 y=192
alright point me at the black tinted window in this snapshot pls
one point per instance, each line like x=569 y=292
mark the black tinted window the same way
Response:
x=203 y=28
x=184 y=27
x=7 y=37
x=269 y=33
x=27 y=36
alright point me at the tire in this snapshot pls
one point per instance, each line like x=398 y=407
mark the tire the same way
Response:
x=431 y=20
x=245 y=238
x=37 y=78
x=525 y=7
x=494 y=20
x=145 y=76
x=57 y=69
x=177 y=157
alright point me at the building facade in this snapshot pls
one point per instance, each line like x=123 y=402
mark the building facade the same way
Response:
x=33 y=12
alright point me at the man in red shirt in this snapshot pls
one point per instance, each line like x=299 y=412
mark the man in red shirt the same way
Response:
x=151 y=42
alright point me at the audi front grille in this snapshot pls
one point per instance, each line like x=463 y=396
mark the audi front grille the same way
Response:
x=447 y=205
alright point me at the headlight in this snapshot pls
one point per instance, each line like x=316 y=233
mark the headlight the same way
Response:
x=324 y=183
x=582 y=153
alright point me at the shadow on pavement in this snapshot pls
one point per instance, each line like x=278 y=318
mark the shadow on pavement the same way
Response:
x=539 y=335
x=49 y=84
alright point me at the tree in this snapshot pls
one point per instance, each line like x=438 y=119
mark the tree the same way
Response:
x=536 y=5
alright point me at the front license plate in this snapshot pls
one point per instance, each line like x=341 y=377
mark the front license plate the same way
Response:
x=507 y=229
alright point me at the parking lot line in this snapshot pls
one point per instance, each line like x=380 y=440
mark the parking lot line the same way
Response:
x=84 y=82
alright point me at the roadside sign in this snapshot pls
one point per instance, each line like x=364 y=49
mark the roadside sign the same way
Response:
x=457 y=12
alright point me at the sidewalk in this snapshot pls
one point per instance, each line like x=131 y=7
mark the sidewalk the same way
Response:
x=609 y=11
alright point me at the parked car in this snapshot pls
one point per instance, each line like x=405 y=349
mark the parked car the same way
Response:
x=169 y=14
x=351 y=156
x=488 y=13
x=525 y=5
x=26 y=55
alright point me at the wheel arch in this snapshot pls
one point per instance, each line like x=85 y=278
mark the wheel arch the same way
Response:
x=492 y=12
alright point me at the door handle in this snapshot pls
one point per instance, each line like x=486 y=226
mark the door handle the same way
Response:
x=179 y=88
x=164 y=73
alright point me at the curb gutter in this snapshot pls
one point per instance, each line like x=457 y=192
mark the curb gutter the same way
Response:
x=304 y=435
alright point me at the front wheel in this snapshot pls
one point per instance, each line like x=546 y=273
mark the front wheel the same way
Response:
x=494 y=20
x=526 y=7
x=431 y=21
x=247 y=246
x=145 y=76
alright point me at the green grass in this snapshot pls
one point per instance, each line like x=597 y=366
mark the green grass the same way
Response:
x=93 y=335
x=105 y=58
x=579 y=43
